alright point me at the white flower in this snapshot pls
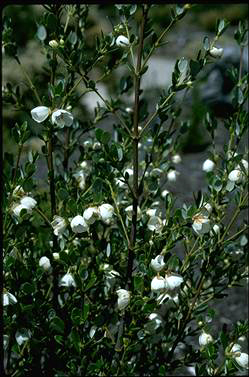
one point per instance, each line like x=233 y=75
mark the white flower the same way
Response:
x=158 y=263
x=242 y=360
x=96 y=146
x=80 y=177
x=44 y=262
x=176 y=159
x=205 y=338
x=216 y=52
x=59 y=225
x=208 y=165
x=173 y=281
x=156 y=318
x=87 y=144
x=78 y=224
x=53 y=43
x=123 y=298
x=9 y=299
x=40 y=113
x=22 y=336
x=56 y=256
x=235 y=175
x=236 y=348
x=16 y=208
x=67 y=281
x=172 y=175
x=120 y=183
x=245 y=164
x=62 y=118
x=208 y=207
x=122 y=41
x=158 y=284
x=172 y=300
x=28 y=202
x=90 y=215
x=129 y=211
x=106 y=212
x=92 y=331
x=155 y=224
x=201 y=223
x=216 y=228
x=151 y=212
x=164 y=193
x=130 y=173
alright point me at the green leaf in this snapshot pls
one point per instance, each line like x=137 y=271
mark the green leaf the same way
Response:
x=28 y=288
x=75 y=339
x=102 y=136
x=59 y=339
x=86 y=309
x=63 y=194
x=91 y=282
x=57 y=325
x=206 y=44
x=76 y=316
x=41 y=33
x=139 y=283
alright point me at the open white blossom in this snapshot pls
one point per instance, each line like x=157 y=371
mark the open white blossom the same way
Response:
x=158 y=263
x=173 y=281
x=9 y=299
x=242 y=360
x=164 y=193
x=155 y=224
x=40 y=113
x=16 y=209
x=106 y=212
x=62 y=118
x=208 y=165
x=216 y=52
x=158 y=284
x=124 y=297
x=205 y=338
x=122 y=41
x=44 y=262
x=201 y=223
x=78 y=224
x=22 y=336
x=67 y=281
x=53 y=43
x=59 y=225
x=235 y=176
x=90 y=215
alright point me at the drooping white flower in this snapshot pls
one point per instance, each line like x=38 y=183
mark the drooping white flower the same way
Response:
x=173 y=281
x=208 y=207
x=176 y=159
x=155 y=224
x=80 y=177
x=106 y=212
x=44 y=262
x=22 y=336
x=59 y=225
x=9 y=299
x=129 y=210
x=156 y=173
x=16 y=209
x=242 y=360
x=235 y=176
x=62 y=118
x=201 y=223
x=151 y=212
x=28 y=202
x=158 y=284
x=124 y=297
x=208 y=165
x=236 y=348
x=158 y=263
x=122 y=41
x=90 y=215
x=67 y=281
x=216 y=228
x=40 y=113
x=216 y=52
x=78 y=224
x=205 y=338
x=172 y=175
x=56 y=256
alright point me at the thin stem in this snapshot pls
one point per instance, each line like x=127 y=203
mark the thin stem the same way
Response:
x=51 y=174
x=66 y=148
x=32 y=87
x=43 y=216
x=71 y=91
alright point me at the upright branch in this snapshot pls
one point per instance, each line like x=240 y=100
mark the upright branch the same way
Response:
x=135 y=138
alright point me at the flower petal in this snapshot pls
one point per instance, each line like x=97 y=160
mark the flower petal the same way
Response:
x=40 y=113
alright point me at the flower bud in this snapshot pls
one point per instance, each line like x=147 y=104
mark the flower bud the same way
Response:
x=158 y=263
x=172 y=175
x=44 y=262
x=123 y=298
x=216 y=52
x=164 y=193
x=78 y=224
x=56 y=256
x=216 y=228
x=53 y=43
x=208 y=166
x=122 y=41
x=176 y=159
x=205 y=338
